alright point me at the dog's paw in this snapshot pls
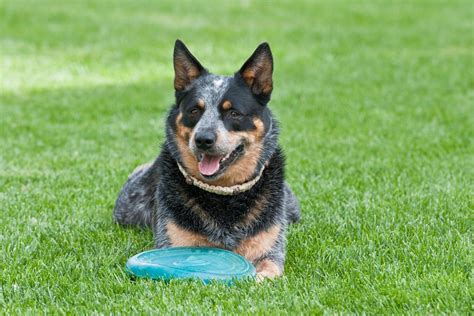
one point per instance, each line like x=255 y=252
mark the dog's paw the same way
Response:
x=262 y=276
x=267 y=269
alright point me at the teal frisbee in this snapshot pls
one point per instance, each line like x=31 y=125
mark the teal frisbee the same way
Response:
x=206 y=264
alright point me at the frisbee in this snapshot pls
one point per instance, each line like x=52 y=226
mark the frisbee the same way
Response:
x=205 y=264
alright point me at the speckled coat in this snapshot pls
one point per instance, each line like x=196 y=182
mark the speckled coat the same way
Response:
x=251 y=223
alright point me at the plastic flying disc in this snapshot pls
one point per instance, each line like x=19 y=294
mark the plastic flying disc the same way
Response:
x=205 y=264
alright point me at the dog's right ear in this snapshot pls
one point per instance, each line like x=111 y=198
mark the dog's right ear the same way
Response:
x=186 y=66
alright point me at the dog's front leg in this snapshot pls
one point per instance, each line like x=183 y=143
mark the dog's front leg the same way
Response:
x=268 y=268
x=168 y=233
x=266 y=250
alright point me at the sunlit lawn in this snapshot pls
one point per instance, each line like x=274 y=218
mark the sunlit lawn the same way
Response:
x=375 y=100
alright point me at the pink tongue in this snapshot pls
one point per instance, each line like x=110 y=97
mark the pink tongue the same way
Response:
x=209 y=165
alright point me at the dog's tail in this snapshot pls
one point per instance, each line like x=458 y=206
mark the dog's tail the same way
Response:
x=292 y=206
x=136 y=201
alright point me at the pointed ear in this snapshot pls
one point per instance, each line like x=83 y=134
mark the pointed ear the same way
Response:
x=257 y=71
x=186 y=66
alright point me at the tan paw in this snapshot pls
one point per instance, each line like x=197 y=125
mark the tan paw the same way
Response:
x=267 y=269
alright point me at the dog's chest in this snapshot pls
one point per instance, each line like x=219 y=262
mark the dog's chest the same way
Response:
x=226 y=224
x=252 y=246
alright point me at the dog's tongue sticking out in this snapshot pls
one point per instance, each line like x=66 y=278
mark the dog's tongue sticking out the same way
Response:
x=209 y=165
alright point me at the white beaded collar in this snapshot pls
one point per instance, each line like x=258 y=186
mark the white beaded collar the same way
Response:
x=216 y=189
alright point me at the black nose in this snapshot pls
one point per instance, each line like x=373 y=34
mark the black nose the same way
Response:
x=205 y=139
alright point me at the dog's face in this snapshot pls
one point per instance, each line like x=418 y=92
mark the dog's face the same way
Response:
x=222 y=121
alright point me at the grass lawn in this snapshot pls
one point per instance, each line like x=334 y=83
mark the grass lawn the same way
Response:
x=375 y=101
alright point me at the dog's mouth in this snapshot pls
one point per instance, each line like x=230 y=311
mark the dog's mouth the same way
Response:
x=210 y=166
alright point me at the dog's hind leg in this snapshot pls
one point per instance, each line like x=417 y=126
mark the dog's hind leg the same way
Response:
x=135 y=204
x=292 y=206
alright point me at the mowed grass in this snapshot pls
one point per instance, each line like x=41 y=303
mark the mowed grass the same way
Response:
x=375 y=101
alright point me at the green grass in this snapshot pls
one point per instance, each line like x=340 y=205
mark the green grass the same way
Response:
x=375 y=101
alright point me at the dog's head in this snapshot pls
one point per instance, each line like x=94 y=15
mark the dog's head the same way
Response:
x=221 y=128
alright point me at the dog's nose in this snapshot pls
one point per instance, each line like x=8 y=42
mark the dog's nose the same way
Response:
x=205 y=139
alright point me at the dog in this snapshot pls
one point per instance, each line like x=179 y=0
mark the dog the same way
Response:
x=219 y=178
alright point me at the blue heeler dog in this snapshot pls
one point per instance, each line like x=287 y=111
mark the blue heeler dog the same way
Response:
x=219 y=179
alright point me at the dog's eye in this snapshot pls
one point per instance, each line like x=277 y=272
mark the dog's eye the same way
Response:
x=194 y=111
x=234 y=114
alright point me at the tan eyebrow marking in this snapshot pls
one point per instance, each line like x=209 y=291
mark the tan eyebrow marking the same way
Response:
x=226 y=105
x=200 y=104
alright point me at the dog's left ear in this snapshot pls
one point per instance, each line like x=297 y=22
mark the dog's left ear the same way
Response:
x=257 y=71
